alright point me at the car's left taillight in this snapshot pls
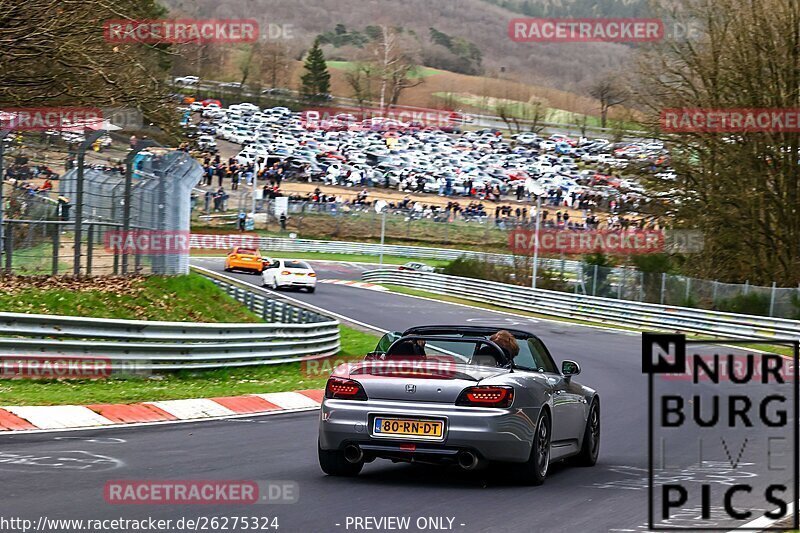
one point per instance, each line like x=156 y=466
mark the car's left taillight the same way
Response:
x=486 y=396
x=344 y=389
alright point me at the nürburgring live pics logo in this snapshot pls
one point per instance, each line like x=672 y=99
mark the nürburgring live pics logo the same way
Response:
x=737 y=410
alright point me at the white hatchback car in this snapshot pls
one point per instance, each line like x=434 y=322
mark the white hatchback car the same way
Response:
x=284 y=273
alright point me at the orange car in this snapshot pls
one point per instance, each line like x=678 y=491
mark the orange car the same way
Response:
x=244 y=259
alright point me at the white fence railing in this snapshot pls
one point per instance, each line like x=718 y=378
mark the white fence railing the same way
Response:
x=638 y=315
x=278 y=244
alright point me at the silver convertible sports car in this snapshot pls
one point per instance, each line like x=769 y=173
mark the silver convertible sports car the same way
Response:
x=459 y=395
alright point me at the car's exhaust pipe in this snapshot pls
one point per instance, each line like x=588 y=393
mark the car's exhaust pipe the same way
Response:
x=353 y=453
x=468 y=460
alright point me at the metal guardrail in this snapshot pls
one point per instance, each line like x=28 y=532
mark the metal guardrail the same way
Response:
x=590 y=308
x=278 y=244
x=290 y=334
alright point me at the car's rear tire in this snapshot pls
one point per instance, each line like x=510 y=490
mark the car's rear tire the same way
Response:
x=333 y=463
x=590 y=449
x=312 y=289
x=534 y=470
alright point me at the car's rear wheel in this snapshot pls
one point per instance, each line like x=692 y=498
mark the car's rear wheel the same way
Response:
x=333 y=463
x=591 y=438
x=312 y=289
x=534 y=470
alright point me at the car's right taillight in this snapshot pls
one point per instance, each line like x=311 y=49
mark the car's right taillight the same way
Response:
x=486 y=396
x=285 y=273
x=344 y=389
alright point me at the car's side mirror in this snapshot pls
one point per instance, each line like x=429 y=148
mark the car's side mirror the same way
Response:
x=387 y=340
x=570 y=368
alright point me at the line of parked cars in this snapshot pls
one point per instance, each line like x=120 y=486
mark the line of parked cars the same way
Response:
x=383 y=153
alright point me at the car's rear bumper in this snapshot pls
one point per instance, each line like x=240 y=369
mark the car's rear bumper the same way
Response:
x=247 y=265
x=297 y=281
x=494 y=434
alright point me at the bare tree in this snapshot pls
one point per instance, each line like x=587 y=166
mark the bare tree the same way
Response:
x=741 y=189
x=608 y=91
x=395 y=65
x=250 y=64
x=275 y=63
x=361 y=79
x=54 y=52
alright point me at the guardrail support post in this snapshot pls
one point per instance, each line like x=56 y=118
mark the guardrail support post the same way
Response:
x=663 y=286
x=594 y=282
x=772 y=301
x=641 y=286
x=714 y=294
x=688 y=288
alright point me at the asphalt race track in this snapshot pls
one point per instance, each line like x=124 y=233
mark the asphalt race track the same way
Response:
x=62 y=475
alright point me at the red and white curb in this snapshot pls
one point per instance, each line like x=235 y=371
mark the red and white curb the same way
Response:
x=55 y=417
x=352 y=283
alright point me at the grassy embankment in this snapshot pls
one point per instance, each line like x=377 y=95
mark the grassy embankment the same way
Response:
x=185 y=298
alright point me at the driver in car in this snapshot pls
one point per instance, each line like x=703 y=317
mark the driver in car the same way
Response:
x=487 y=355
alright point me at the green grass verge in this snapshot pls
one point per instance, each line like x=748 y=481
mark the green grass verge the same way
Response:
x=36 y=260
x=191 y=298
x=485 y=237
x=184 y=384
x=349 y=66
x=525 y=110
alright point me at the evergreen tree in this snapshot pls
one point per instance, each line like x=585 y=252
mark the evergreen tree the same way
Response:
x=317 y=79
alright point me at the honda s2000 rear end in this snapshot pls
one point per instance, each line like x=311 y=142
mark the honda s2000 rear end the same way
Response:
x=449 y=395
